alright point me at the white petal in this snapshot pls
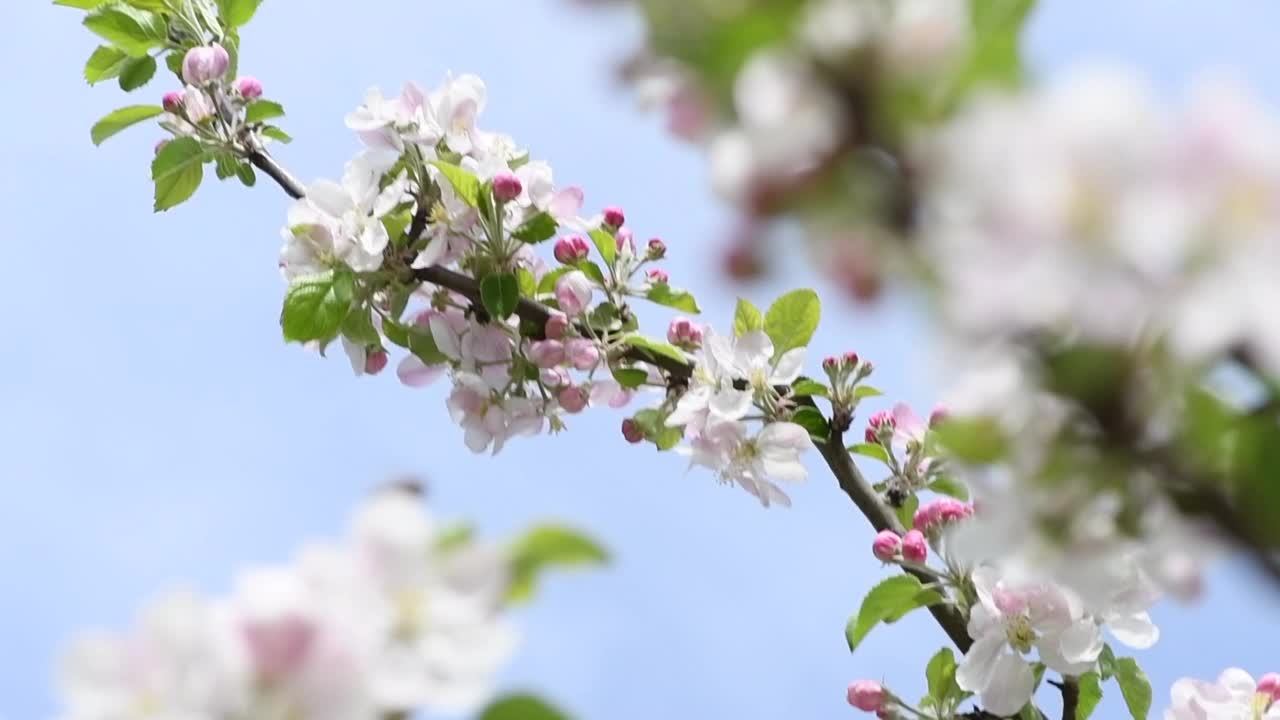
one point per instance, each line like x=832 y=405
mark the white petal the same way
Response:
x=1136 y=630
x=975 y=668
x=446 y=341
x=754 y=349
x=329 y=198
x=731 y=404
x=788 y=368
x=1012 y=683
x=1081 y=643
x=784 y=435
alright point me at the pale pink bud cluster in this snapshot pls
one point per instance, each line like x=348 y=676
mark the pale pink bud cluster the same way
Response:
x=938 y=416
x=942 y=511
x=573 y=292
x=507 y=186
x=880 y=427
x=867 y=695
x=249 y=87
x=582 y=353
x=888 y=546
x=684 y=333
x=571 y=249
x=203 y=65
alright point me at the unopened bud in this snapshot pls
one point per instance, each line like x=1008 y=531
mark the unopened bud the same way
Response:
x=573 y=292
x=684 y=333
x=582 y=353
x=632 y=432
x=546 y=353
x=375 y=362
x=172 y=101
x=556 y=325
x=866 y=695
x=248 y=87
x=658 y=276
x=657 y=249
x=205 y=64
x=882 y=419
x=571 y=249
x=851 y=358
x=886 y=546
x=614 y=217
x=625 y=240
x=830 y=364
x=1269 y=684
x=938 y=416
x=573 y=399
x=915 y=548
x=506 y=186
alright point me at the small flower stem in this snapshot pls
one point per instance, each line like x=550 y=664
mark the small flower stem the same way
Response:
x=1070 y=697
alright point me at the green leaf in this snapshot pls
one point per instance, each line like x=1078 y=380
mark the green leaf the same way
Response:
x=630 y=378
x=592 y=271
x=972 y=440
x=656 y=346
x=527 y=283
x=811 y=419
x=236 y=13
x=906 y=512
x=746 y=318
x=359 y=329
x=805 y=387
x=276 y=134
x=1134 y=686
x=664 y=294
x=863 y=392
x=500 y=293
x=521 y=707
x=177 y=171
x=454 y=537
x=547 y=284
x=247 y=176
x=466 y=185
x=941 y=674
x=792 y=320
x=123 y=118
x=396 y=223
x=1090 y=695
x=105 y=63
x=874 y=451
x=606 y=244
x=132 y=30
x=546 y=547
x=668 y=437
x=890 y=600
x=316 y=306
x=947 y=485
x=137 y=72
x=536 y=229
x=1107 y=662
x=79 y=4
x=262 y=110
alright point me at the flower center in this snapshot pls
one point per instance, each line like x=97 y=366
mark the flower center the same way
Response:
x=1019 y=632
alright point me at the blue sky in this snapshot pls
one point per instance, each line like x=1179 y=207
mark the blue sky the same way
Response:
x=154 y=428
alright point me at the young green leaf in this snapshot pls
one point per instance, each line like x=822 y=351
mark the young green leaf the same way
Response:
x=315 y=306
x=466 y=185
x=132 y=30
x=1090 y=695
x=546 y=547
x=805 y=387
x=865 y=391
x=656 y=346
x=527 y=283
x=664 y=294
x=973 y=440
x=521 y=707
x=178 y=170
x=500 y=293
x=536 y=229
x=137 y=72
x=105 y=63
x=890 y=600
x=262 y=110
x=792 y=320
x=630 y=378
x=811 y=419
x=548 y=282
x=947 y=485
x=874 y=451
x=906 y=512
x=1107 y=662
x=236 y=13
x=79 y=4
x=746 y=318
x=123 y=118
x=276 y=134
x=358 y=328
x=941 y=675
x=1134 y=686
x=606 y=244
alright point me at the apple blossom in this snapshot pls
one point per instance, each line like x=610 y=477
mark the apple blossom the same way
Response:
x=172 y=101
x=722 y=365
x=1234 y=695
x=507 y=186
x=684 y=333
x=656 y=249
x=886 y=546
x=557 y=323
x=573 y=399
x=249 y=87
x=915 y=548
x=203 y=65
x=753 y=463
x=614 y=218
x=573 y=292
x=571 y=249
x=547 y=353
x=866 y=695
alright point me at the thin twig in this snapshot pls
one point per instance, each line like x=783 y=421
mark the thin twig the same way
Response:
x=1070 y=688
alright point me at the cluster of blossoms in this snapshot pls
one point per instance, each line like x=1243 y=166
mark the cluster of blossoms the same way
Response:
x=1234 y=696
x=401 y=614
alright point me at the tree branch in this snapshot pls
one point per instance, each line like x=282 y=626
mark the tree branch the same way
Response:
x=881 y=518
x=1070 y=688
x=262 y=160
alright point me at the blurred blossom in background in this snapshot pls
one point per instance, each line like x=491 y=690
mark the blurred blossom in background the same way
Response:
x=133 y=462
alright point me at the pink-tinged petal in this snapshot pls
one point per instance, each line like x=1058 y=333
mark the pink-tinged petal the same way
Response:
x=447 y=341
x=566 y=204
x=414 y=373
x=908 y=424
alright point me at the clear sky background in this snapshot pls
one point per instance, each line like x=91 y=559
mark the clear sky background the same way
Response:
x=155 y=429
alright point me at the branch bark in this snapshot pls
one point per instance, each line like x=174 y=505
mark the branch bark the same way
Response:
x=1070 y=697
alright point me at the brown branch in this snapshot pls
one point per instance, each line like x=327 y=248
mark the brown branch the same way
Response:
x=1070 y=688
x=262 y=160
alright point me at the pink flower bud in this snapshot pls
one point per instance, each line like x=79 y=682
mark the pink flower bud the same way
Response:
x=830 y=363
x=925 y=517
x=658 y=276
x=1269 y=684
x=571 y=249
x=867 y=695
x=657 y=249
x=614 y=217
x=205 y=64
x=684 y=333
x=557 y=323
x=506 y=186
x=886 y=546
x=915 y=548
x=249 y=87
x=632 y=432
x=172 y=101
x=547 y=353
x=882 y=419
x=573 y=399
x=554 y=377
x=582 y=353
x=954 y=510
x=375 y=361
x=625 y=240
x=851 y=358
x=573 y=292
x=938 y=415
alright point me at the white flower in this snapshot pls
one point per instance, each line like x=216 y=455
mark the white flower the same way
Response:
x=728 y=372
x=390 y=123
x=197 y=105
x=342 y=222
x=1234 y=696
x=456 y=105
x=1008 y=622
x=488 y=419
x=753 y=463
